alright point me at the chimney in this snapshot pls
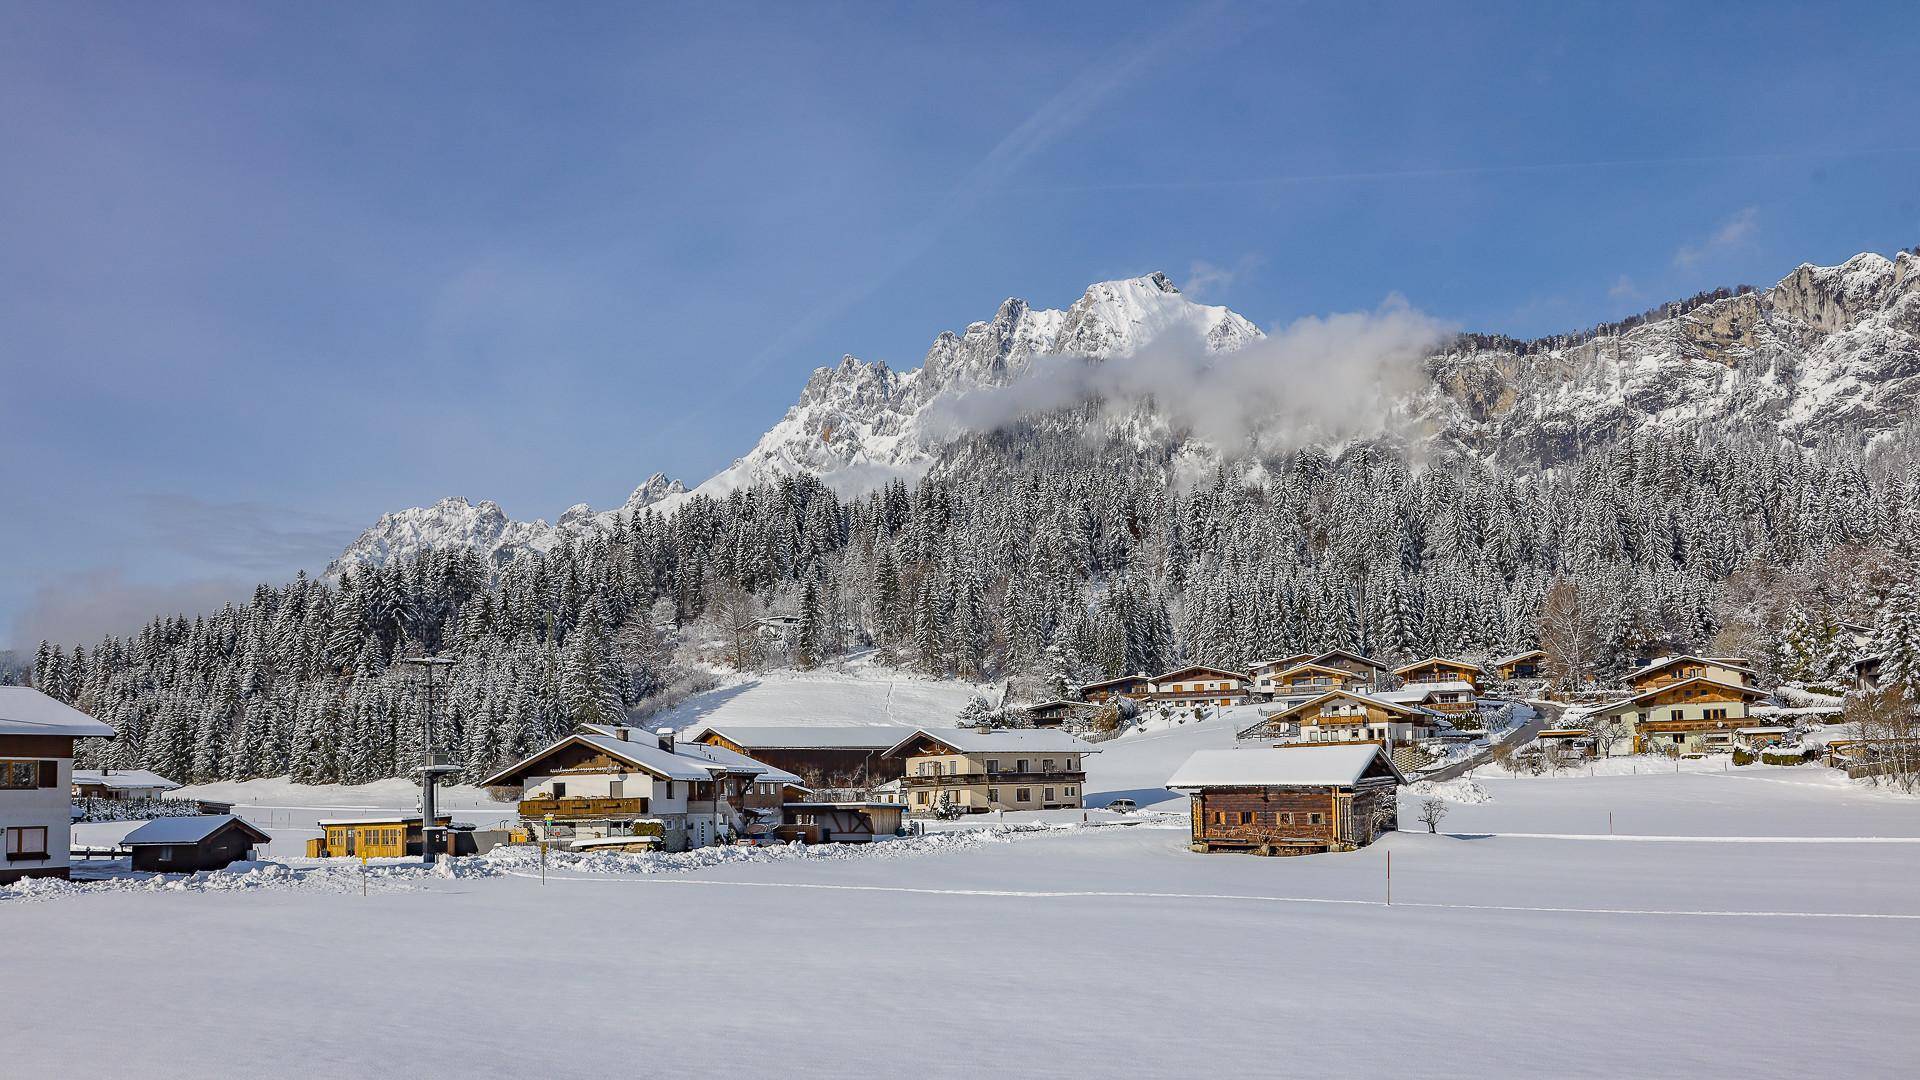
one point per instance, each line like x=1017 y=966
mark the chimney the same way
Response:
x=622 y=731
x=666 y=739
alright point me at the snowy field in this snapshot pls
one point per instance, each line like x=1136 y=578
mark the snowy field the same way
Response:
x=1757 y=923
x=854 y=694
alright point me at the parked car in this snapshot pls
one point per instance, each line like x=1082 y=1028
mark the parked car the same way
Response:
x=1123 y=806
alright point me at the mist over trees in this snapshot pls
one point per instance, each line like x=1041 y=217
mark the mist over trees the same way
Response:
x=1041 y=555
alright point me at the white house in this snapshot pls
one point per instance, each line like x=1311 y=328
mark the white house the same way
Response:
x=120 y=785
x=36 y=778
x=610 y=781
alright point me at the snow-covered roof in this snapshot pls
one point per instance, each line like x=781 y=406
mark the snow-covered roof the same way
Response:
x=1305 y=765
x=1018 y=740
x=1514 y=658
x=647 y=756
x=1421 y=691
x=804 y=737
x=738 y=762
x=1765 y=729
x=1349 y=654
x=1730 y=663
x=1190 y=668
x=1744 y=691
x=26 y=711
x=187 y=830
x=400 y=817
x=122 y=779
x=1374 y=699
x=1139 y=678
x=1445 y=661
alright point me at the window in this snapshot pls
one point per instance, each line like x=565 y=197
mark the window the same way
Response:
x=993 y=765
x=559 y=791
x=1246 y=817
x=1219 y=817
x=1046 y=794
x=1284 y=818
x=1046 y=765
x=27 y=842
x=1316 y=819
x=993 y=794
x=1071 y=792
x=1020 y=765
x=1023 y=795
x=921 y=797
x=15 y=775
x=1713 y=714
x=166 y=854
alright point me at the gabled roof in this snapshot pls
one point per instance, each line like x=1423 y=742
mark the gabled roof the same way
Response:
x=1305 y=765
x=1121 y=681
x=122 y=779
x=1371 y=699
x=1284 y=661
x=1466 y=665
x=1348 y=654
x=739 y=763
x=1414 y=692
x=1729 y=663
x=1744 y=691
x=1067 y=703
x=26 y=711
x=1517 y=657
x=1179 y=671
x=1310 y=666
x=646 y=756
x=1010 y=740
x=189 y=830
x=802 y=737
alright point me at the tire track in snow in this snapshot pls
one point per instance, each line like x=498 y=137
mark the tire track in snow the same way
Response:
x=1055 y=894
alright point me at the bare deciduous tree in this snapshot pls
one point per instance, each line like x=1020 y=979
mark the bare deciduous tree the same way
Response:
x=1432 y=811
x=1570 y=633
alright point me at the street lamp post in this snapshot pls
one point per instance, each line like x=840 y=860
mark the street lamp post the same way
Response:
x=433 y=838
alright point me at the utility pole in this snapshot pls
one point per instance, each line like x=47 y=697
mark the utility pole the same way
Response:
x=433 y=838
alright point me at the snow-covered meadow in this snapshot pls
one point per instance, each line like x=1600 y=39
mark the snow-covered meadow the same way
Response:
x=1757 y=922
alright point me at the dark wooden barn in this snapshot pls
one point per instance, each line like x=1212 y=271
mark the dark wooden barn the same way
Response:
x=1290 y=800
x=181 y=845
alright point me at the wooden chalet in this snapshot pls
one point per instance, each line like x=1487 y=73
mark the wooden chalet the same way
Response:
x=1309 y=679
x=847 y=756
x=1445 y=698
x=1347 y=716
x=37 y=733
x=840 y=822
x=604 y=780
x=1059 y=712
x=976 y=771
x=1264 y=671
x=1289 y=800
x=1373 y=671
x=1198 y=684
x=182 y=845
x=1672 y=669
x=1440 y=669
x=1686 y=715
x=1135 y=687
x=1531 y=664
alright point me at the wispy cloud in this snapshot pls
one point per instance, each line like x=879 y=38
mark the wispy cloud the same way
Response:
x=1623 y=288
x=241 y=535
x=1733 y=232
x=1205 y=278
x=1318 y=377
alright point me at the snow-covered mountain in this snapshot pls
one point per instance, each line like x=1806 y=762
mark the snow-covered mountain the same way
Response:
x=1828 y=352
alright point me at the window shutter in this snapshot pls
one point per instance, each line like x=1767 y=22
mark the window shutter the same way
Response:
x=49 y=774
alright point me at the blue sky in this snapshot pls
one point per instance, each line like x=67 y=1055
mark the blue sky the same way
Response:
x=267 y=271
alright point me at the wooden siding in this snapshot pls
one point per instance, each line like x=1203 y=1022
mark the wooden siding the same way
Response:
x=1283 y=819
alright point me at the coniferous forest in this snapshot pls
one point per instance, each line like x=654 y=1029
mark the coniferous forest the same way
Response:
x=1037 y=555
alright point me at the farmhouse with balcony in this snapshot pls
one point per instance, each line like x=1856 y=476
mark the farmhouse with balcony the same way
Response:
x=977 y=771
x=1683 y=715
x=1373 y=671
x=846 y=756
x=1308 y=679
x=1201 y=685
x=1531 y=664
x=1439 y=669
x=36 y=781
x=1445 y=698
x=1346 y=716
x=1289 y=800
x=611 y=781
x=1134 y=687
x=1667 y=670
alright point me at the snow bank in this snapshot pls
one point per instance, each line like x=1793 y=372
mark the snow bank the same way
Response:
x=1462 y=790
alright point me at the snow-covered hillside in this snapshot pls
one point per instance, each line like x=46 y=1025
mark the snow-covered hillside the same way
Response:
x=1828 y=351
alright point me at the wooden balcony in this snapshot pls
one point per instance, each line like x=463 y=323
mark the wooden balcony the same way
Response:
x=579 y=809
